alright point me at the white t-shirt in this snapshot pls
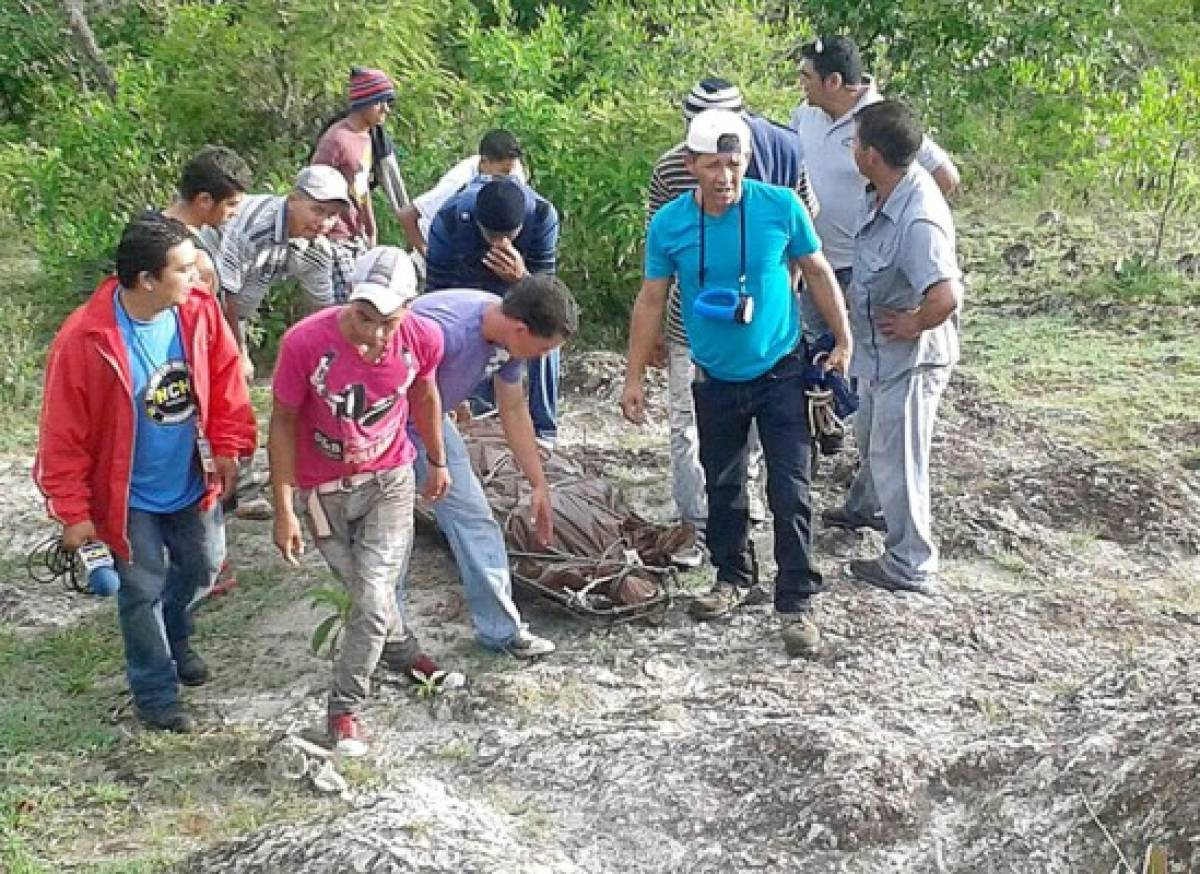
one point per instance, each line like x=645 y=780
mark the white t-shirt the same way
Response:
x=829 y=159
x=455 y=180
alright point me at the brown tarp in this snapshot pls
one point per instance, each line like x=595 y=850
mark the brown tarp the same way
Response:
x=604 y=560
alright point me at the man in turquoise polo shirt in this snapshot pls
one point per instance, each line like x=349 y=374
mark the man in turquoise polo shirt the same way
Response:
x=734 y=246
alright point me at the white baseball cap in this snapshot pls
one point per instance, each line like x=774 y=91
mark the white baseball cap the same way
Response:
x=322 y=182
x=385 y=278
x=718 y=132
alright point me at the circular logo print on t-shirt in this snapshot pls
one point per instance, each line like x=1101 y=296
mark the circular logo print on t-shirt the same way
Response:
x=168 y=396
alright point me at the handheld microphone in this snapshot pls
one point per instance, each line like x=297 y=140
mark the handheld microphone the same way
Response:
x=101 y=573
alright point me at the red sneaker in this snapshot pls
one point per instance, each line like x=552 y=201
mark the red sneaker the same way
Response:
x=425 y=671
x=423 y=665
x=226 y=581
x=347 y=735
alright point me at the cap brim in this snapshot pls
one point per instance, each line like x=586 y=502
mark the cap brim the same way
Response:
x=336 y=198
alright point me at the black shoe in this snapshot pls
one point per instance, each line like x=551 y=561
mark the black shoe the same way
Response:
x=871 y=571
x=837 y=517
x=192 y=670
x=173 y=719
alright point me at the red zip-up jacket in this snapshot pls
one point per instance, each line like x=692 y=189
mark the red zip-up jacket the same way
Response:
x=85 y=441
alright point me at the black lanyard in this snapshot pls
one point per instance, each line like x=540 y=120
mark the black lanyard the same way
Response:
x=141 y=347
x=741 y=238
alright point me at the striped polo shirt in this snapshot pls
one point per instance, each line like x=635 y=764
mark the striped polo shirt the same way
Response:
x=256 y=253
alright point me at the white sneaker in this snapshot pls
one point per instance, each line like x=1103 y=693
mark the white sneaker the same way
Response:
x=692 y=556
x=527 y=645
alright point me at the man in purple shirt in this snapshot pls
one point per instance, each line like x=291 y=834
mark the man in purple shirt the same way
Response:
x=486 y=337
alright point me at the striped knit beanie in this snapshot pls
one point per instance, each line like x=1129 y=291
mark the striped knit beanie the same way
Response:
x=712 y=94
x=368 y=87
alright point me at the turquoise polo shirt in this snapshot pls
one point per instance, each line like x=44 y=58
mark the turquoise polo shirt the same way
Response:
x=778 y=230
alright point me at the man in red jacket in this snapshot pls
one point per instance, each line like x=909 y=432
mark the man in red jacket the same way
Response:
x=144 y=416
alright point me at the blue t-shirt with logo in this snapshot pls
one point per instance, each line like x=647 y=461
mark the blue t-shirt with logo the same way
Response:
x=778 y=229
x=166 y=476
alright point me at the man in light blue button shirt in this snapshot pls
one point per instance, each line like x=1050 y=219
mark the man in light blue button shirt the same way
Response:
x=904 y=299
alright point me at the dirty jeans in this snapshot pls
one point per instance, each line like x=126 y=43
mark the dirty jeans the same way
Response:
x=172 y=555
x=724 y=413
x=370 y=532
x=687 y=474
x=894 y=431
x=476 y=540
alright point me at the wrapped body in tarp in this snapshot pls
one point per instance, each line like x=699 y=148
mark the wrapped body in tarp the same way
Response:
x=604 y=559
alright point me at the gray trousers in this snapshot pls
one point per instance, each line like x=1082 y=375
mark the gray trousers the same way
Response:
x=364 y=534
x=894 y=430
x=687 y=476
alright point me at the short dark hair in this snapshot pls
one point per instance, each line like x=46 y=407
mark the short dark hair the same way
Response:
x=893 y=129
x=217 y=171
x=835 y=54
x=544 y=304
x=144 y=245
x=500 y=145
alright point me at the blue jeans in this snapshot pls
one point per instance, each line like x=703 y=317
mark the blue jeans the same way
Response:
x=543 y=393
x=724 y=412
x=173 y=555
x=476 y=540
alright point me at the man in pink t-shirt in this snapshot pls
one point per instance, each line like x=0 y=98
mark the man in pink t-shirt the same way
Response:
x=344 y=383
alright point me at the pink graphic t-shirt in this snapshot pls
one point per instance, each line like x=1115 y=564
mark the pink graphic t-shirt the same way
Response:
x=352 y=412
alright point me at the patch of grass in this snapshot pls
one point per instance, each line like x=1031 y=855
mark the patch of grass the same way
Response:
x=1012 y=562
x=52 y=691
x=1137 y=279
x=1118 y=388
x=456 y=751
x=1083 y=539
x=361 y=774
x=14 y=857
x=536 y=823
x=166 y=795
x=1072 y=258
x=259 y=591
x=567 y=693
x=75 y=788
x=474 y=660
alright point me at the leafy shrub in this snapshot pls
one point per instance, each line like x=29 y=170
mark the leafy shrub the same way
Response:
x=1075 y=98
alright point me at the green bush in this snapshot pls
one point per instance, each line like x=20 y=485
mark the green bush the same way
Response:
x=1077 y=99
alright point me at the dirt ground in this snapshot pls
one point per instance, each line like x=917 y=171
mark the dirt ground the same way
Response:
x=1042 y=715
